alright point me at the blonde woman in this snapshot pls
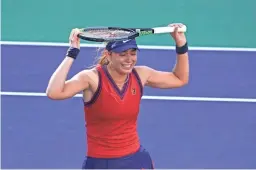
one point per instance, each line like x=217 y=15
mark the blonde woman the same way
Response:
x=112 y=92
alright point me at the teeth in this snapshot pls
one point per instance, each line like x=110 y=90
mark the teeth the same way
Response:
x=127 y=65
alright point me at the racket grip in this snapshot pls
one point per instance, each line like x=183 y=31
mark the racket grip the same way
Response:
x=159 y=30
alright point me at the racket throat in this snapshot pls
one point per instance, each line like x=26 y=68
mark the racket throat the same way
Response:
x=145 y=31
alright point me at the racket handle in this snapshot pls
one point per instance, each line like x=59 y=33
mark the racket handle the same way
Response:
x=159 y=30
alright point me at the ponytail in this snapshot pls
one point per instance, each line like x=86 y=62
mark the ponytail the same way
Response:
x=103 y=60
x=101 y=57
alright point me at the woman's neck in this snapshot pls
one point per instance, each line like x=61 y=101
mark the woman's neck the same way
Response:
x=116 y=76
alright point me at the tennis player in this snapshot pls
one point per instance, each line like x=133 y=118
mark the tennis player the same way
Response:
x=112 y=93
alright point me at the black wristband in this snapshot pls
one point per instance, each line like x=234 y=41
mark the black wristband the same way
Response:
x=73 y=52
x=183 y=49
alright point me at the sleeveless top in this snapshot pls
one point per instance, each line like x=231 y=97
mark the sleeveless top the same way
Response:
x=111 y=116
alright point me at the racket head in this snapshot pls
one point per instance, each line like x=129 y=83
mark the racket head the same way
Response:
x=107 y=34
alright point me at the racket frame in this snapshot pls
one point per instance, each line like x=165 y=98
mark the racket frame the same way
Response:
x=134 y=32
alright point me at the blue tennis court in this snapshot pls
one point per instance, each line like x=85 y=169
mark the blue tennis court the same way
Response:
x=41 y=133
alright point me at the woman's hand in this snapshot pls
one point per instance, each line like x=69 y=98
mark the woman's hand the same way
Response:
x=179 y=37
x=74 y=41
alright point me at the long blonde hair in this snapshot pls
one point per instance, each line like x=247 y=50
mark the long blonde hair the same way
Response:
x=102 y=59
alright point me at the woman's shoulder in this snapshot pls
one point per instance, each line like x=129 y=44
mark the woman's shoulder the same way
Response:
x=143 y=72
x=90 y=74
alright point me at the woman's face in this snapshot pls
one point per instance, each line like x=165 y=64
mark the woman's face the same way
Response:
x=123 y=62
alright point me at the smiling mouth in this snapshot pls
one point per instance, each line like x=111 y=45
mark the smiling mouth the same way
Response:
x=127 y=66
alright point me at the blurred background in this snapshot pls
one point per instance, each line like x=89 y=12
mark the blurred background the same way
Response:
x=210 y=123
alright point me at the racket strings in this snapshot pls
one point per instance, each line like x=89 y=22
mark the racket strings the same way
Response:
x=106 y=33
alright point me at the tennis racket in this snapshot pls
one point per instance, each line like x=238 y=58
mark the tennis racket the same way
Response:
x=106 y=34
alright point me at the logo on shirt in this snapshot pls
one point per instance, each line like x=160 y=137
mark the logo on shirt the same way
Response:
x=133 y=91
